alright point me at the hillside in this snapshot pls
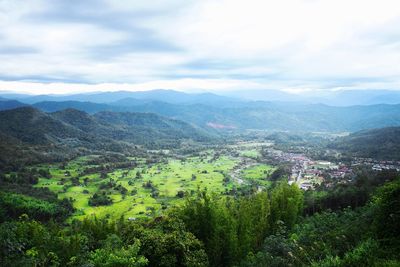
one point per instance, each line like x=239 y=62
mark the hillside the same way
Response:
x=383 y=144
x=151 y=124
x=6 y=104
x=137 y=128
x=30 y=135
x=34 y=127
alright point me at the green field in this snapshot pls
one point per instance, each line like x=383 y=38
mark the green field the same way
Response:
x=250 y=153
x=167 y=179
x=146 y=189
x=258 y=173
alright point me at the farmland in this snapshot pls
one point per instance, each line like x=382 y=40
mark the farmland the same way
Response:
x=144 y=189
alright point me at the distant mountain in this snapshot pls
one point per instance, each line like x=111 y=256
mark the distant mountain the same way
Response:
x=175 y=97
x=151 y=124
x=265 y=95
x=220 y=113
x=119 y=97
x=280 y=116
x=10 y=104
x=333 y=98
x=89 y=107
x=359 y=97
x=129 y=101
x=383 y=144
x=222 y=99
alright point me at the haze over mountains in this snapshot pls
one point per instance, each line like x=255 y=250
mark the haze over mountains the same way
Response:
x=211 y=111
x=169 y=96
x=333 y=98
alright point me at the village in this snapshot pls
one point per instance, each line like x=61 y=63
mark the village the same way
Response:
x=308 y=173
x=377 y=165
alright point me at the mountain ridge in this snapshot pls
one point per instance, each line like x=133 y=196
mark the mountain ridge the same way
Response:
x=30 y=135
x=380 y=143
x=255 y=115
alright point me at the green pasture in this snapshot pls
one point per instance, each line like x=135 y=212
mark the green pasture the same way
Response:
x=177 y=175
x=259 y=173
x=250 y=153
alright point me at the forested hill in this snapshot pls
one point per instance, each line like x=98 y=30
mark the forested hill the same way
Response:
x=153 y=124
x=10 y=104
x=32 y=135
x=381 y=143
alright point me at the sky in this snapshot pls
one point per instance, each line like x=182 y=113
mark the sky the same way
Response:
x=69 y=46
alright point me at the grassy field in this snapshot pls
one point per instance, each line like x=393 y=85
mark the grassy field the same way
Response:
x=259 y=173
x=250 y=153
x=167 y=179
x=147 y=189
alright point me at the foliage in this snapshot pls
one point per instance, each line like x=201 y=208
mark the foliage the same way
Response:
x=231 y=228
x=113 y=254
x=387 y=215
x=380 y=144
x=100 y=199
x=13 y=205
x=286 y=204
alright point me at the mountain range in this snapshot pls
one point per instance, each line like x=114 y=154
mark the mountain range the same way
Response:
x=328 y=97
x=220 y=113
x=121 y=97
x=59 y=126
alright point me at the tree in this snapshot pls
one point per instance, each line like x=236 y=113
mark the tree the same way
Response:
x=210 y=221
x=180 y=194
x=253 y=214
x=286 y=204
x=114 y=254
x=387 y=214
x=100 y=199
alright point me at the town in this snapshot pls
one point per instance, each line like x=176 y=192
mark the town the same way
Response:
x=308 y=173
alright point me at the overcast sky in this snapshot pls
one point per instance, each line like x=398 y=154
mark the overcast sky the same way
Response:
x=62 y=46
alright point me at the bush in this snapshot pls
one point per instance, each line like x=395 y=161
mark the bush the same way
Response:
x=100 y=199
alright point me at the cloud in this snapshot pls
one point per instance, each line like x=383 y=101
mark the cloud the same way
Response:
x=191 y=85
x=191 y=45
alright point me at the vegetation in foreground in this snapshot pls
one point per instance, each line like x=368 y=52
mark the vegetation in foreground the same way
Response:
x=265 y=229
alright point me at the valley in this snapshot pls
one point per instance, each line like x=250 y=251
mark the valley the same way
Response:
x=199 y=133
x=183 y=189
x=146 y=189
x=140 y=187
